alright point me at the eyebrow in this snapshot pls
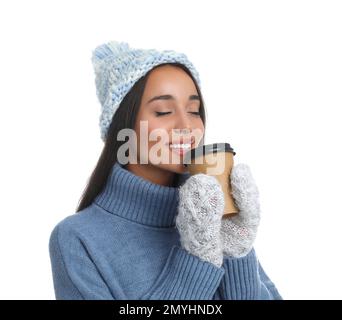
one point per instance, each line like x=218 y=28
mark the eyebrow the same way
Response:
x=170 y=97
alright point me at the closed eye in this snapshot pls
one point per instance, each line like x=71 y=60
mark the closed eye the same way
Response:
x=161 y=113
x=164 y=113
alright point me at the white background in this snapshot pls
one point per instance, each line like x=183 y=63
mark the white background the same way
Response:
x=271 y=76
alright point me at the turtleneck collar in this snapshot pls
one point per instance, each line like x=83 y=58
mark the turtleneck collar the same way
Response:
x=132 y=197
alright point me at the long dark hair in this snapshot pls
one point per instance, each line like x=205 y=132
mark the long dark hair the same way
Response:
x=124 y=117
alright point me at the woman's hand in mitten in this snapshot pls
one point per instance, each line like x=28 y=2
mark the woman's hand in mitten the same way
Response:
x=239 y=232
x=201 y=204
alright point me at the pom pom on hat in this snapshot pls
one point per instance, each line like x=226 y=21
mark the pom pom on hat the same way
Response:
x=118 y=67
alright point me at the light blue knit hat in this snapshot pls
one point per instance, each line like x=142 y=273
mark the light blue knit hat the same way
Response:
x=117 y=68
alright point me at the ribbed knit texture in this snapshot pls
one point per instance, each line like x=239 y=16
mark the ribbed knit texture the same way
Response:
x=139 y=200
x=125 y=246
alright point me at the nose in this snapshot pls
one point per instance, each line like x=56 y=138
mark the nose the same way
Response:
x=183 y=125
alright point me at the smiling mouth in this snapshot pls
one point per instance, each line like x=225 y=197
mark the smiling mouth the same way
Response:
x=182 y=146
x=185 y=144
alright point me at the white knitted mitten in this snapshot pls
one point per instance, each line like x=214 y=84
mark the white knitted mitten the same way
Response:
x=239 y=232
x=201 y=204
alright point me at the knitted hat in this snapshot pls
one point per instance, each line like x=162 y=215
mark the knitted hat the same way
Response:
x=118 y=67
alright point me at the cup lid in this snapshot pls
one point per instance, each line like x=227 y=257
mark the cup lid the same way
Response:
x=207 y=148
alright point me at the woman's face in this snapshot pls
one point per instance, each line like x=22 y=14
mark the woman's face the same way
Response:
x=181 y=122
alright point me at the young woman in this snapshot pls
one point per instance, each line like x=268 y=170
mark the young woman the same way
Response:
x=149 y=230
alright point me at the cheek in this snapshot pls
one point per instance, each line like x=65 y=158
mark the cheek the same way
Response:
x=198 y=131
x=158 y=131
x=198 y=126
x=152 y=132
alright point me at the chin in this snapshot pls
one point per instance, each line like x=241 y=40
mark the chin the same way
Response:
x=176 y=168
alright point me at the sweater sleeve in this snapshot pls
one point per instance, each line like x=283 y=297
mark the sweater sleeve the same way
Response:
x=268 y=289
x=244 y=279
x=75 y=277
x=185 y=277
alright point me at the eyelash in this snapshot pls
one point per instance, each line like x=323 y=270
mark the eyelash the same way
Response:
x=164 y=113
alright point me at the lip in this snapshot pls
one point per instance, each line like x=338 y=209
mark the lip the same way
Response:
x=181 y=151
x=182 y=140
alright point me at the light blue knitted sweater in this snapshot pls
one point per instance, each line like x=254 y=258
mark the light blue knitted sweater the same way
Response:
x=125 y=246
